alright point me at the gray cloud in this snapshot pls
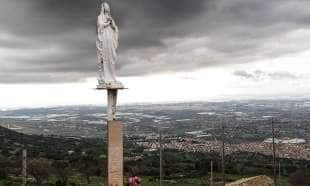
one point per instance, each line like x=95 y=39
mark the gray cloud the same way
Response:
x=260 y=75
x=244 y=74
x=282 y=75
x=53 y=40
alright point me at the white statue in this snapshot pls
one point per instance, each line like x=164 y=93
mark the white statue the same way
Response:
x=107 y=43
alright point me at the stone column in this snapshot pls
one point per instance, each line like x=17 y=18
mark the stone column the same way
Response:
x=115 y=153
x=115 y=140
x=111 y=108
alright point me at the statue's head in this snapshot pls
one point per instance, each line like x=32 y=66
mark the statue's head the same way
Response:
x=105 y=8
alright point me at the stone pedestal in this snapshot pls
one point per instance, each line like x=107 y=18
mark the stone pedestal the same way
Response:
x=115 y=135
x=115 y=153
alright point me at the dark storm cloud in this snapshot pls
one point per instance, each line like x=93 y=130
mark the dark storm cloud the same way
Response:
x=141 y=19
x=53 y=40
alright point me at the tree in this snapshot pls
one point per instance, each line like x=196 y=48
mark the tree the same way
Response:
x=299 y=178
x=3 y=173
x=62 y=170
x=3 y=165
x=90 y=166
x=40 y=170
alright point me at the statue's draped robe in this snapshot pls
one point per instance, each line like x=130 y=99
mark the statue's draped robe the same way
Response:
x=107 y=43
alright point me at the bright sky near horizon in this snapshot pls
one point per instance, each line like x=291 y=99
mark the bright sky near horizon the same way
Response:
x=256 y=80
x=170 y=51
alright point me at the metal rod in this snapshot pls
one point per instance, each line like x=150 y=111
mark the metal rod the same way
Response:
x=211 y=179
x=160 y=158
x=279 y=172
x=274 y=154
x=279 y=159
x=223 y=154
x=24 y=166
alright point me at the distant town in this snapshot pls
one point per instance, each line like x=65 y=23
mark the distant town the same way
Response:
x=191 y=127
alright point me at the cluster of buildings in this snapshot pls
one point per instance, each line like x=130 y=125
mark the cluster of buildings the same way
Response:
x=286 y=148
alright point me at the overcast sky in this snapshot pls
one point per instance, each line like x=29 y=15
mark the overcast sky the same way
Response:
x=217 y=48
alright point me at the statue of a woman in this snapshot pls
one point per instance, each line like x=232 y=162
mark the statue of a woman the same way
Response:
x=107 y=43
